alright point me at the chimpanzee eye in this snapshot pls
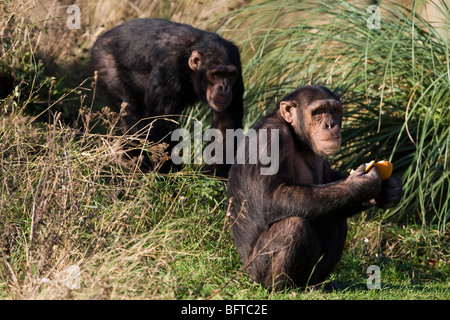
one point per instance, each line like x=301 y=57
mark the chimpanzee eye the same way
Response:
x=335 y=110
x=215 y=76
x=316 y=115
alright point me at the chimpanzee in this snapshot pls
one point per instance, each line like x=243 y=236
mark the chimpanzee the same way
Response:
x=290 y=227
x=154 y=67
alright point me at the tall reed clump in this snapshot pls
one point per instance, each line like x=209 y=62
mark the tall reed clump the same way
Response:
x=394 y=82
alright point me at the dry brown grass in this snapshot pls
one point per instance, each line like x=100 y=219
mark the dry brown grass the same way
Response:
x=46 y=21
x=66 y=201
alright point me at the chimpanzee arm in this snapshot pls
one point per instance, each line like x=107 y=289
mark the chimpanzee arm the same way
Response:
x=391 y=192
x=231 y=118
x=163 y=95
x=344 y=197
x=352 y=208
x=311 y=202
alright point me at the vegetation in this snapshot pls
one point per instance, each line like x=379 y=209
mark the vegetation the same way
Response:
x=67 y=200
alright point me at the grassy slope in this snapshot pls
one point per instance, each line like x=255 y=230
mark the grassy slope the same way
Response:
x=64 y=199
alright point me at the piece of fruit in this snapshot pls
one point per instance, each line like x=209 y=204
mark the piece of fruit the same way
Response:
x=384 y=168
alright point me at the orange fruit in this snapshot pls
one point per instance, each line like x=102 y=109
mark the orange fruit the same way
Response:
x=384 y=168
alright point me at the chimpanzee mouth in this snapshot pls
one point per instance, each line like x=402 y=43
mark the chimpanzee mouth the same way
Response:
x=220 y=104
x=332 y=139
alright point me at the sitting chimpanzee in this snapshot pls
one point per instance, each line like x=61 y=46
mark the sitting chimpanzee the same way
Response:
x=154 y=67
x=290 y=227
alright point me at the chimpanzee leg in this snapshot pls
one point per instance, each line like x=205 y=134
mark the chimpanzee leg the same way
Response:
x=111 y=81
x=286 y=255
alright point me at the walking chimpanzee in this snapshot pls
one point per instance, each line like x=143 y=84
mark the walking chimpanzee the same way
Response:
x=154 y=67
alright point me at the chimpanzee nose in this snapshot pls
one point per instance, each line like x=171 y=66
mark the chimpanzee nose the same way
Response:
x=225 y=89
x=330 y=122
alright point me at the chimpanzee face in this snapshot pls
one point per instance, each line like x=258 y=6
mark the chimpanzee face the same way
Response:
x=317 y=124
x=218 y=81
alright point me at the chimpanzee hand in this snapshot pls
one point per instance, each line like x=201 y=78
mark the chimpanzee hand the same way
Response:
x=390 y=194
x=364 y=186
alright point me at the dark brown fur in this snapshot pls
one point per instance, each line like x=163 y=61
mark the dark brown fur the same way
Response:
x=146 y=63
x=290 y=228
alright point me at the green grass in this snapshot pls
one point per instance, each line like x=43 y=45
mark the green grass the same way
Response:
x=66 y=199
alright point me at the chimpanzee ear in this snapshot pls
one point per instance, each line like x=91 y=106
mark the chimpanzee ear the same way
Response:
x=287 y=110
x=195 y=60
